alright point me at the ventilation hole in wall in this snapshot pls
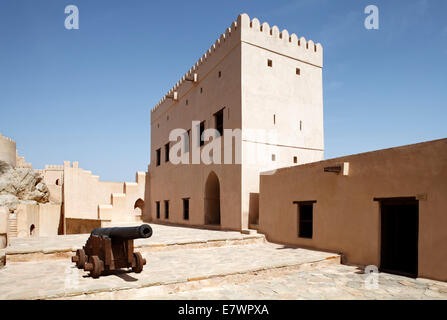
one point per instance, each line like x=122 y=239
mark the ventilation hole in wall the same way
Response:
x=315 y=48
x=295 y=159
x=201 y=90
x=220 y=74
x=186 y=102
x=273 y=157
x=269 y=62
x=274 y=119
x=301 y=125
x=298 y=71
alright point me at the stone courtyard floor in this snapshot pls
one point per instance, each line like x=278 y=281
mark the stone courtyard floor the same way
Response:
x=187 y=263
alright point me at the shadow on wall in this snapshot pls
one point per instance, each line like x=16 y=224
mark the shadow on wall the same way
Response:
x=253 y=209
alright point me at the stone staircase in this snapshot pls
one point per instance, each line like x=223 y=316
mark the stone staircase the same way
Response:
x=12 y=226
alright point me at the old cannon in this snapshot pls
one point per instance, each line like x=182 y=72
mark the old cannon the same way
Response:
x=110 y=249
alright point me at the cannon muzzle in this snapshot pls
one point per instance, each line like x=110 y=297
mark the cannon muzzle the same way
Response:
x=143 y=231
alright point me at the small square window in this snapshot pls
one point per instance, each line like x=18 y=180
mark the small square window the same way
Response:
x=298 y=71
x=269 y=62
x=273 y=157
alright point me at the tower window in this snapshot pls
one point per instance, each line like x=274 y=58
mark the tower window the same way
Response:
x=295 y=159
x=274 y=119
x=166 y=209
x=186 y=209
x=273 y=157
x=201 y=130
x=301 y=125
x=220 y=74
x=158 y=155
x=298 y=71
x=269 y=63
x=186 y=102
x=218 y=117
x=167 y=152
x=157 y=209
x=186 y=137
x=201 y=90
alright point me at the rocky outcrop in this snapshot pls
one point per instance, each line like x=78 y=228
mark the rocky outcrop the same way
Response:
x=21 y=185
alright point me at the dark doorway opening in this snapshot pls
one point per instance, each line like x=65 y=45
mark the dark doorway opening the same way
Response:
x=399 y=236
x=212 y=200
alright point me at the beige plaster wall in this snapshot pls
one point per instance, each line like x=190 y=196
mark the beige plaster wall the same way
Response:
x=282 y=112
x=78 y=226
x=27 y=215
x=84 y=192
x=4 y=213
x=49 y=220
x=174 y=182
x=86 y=197
x=7 y=150
x=346 y=219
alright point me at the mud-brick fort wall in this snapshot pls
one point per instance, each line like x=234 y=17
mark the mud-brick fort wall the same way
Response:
x=7 y=150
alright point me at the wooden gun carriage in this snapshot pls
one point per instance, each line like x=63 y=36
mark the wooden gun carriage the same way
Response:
x=111 y=249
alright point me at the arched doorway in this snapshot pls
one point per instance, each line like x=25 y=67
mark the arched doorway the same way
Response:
x=138 y=208
x=212 y=200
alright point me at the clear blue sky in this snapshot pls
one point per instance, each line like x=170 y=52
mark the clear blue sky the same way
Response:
x=86 y=94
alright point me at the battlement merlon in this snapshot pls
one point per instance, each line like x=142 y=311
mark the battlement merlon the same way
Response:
x=251 y=32
x=6 y=138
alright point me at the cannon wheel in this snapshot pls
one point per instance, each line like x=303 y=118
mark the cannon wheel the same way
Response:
x=98 y=266
x=139 y=262
x=82 y=258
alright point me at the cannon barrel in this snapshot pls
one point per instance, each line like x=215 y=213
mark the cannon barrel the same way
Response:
x=143 y=231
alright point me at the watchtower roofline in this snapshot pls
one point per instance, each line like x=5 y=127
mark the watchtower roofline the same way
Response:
x=251 y=32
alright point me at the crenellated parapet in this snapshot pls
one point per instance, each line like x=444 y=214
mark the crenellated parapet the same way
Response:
x=262 y=35
x=2 y=137
x=54 y=167
x=251 y=32
x=8 y=150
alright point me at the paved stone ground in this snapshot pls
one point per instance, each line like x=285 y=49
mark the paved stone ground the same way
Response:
x=57 y=278
x=324 y=283
x=214 y=268
x=162 y=236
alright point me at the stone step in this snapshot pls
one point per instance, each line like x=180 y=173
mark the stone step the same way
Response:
x=144 y=245
x=193 y=266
